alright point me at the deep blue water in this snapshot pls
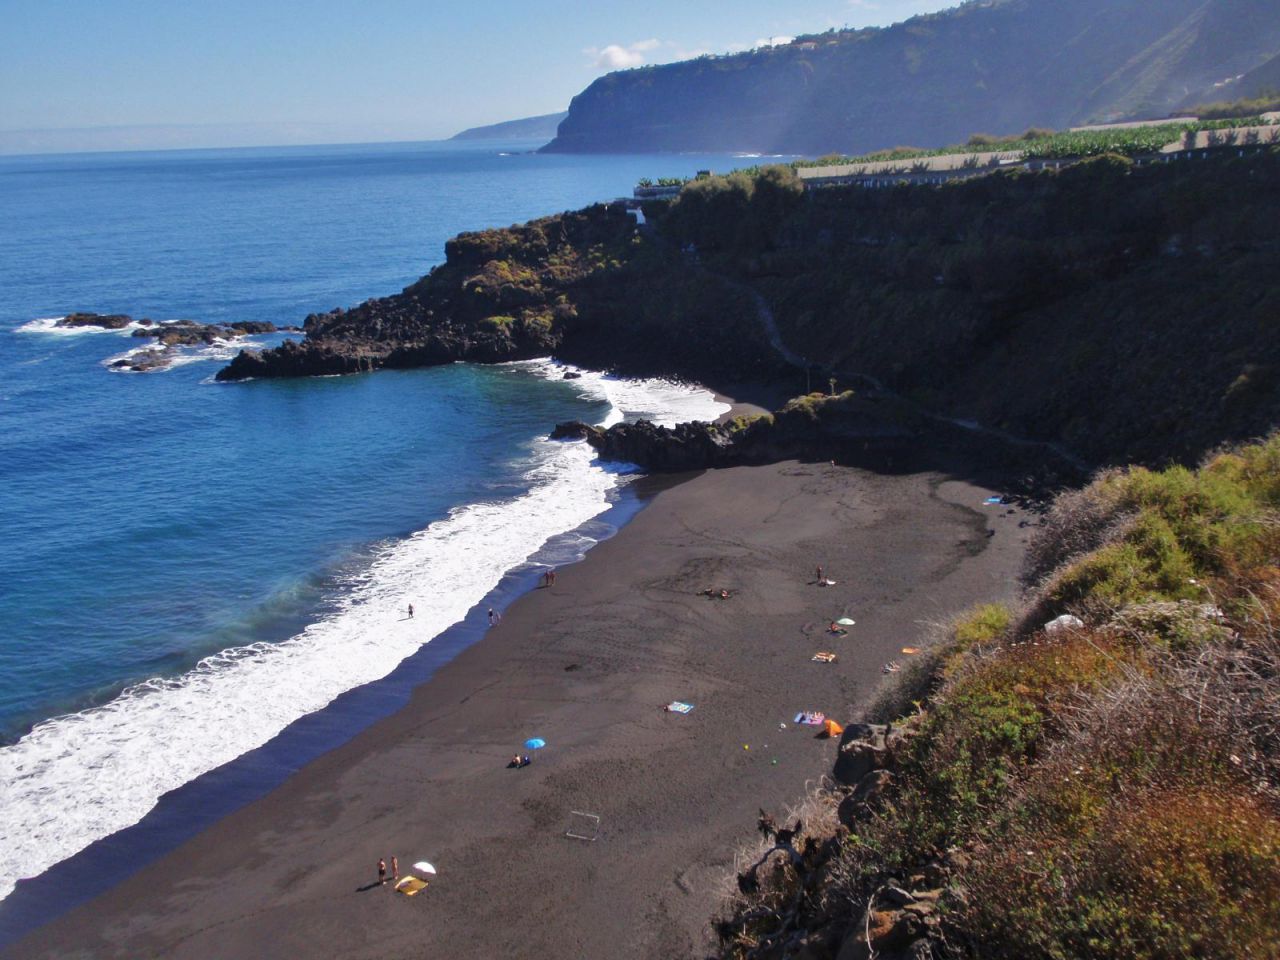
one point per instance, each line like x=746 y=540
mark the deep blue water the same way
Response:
x=150 y=520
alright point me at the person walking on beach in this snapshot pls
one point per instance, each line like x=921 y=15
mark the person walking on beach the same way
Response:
x=551 y=576
x=382 y=871
x=494 y=617
x=411 y=611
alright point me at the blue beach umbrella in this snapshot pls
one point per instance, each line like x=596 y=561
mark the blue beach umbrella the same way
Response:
x=535 y=743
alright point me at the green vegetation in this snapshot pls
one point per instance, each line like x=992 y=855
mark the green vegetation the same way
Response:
x=497 y=324
x=1038 y=144
x=1111 y=790
x=1034 y=144
x=1268 y=103
x=736 y=211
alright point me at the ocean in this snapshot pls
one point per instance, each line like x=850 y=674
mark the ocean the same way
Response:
x=190 y=568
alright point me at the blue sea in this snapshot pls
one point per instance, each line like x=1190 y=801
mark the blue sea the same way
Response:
x=188 y=568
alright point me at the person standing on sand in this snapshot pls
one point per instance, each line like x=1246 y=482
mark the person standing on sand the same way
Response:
x=551 y=577
x=411 y=611
x=395 y=868
x=382 y=871
x=820 y=577
x=494 y=617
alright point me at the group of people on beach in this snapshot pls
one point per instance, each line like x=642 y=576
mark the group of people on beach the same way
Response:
x=548 y=580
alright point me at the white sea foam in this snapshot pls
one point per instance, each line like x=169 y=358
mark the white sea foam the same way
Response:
x=75 y=779
x=178 y=356
x=665 y=402
x=49 y=325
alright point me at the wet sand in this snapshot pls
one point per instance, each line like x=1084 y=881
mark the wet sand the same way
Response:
x=586 y=665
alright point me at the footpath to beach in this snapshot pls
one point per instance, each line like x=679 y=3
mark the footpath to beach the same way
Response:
x=587 y=665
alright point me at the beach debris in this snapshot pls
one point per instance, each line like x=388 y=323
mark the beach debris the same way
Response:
x=823 y=656
x=810 y=718
x=1062 y=624
x=678 y=706
x=911 y=651
x=992 y=501
x=535 y=743
x=583 y=826
x=891 y=667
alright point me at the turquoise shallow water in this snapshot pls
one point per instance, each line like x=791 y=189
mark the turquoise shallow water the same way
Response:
x=174 y=550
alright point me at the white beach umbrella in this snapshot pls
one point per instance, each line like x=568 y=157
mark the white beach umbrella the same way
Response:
x=423 y=867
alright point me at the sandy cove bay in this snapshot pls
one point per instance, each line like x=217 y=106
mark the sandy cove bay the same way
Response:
x=587 y=664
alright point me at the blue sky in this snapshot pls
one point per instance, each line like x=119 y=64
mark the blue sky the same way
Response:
x=231 y=72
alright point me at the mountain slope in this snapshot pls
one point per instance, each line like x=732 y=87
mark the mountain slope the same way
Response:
x=997 y=66
x=1260 y=82
x=541 y=127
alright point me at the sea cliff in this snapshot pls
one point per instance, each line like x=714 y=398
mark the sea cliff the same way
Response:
x=1122 y=311
x=997 y=66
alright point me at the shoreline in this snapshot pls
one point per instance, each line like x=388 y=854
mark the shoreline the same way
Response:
x=146 y=739
x=201 y=803
x=290 y=859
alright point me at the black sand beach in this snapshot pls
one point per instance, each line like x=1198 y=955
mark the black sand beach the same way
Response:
x=587 y=665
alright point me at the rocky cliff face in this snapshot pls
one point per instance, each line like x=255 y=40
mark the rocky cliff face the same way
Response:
x=1126 y=313
x=872 y=431
x=996 y=67
x=588 y=287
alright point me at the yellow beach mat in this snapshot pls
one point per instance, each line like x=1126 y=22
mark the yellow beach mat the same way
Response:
x=411 y=886
x=823 y=658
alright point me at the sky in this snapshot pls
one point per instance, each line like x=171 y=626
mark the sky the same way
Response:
x=142 y=74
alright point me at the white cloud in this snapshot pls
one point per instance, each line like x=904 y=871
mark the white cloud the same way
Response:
x=616 y=56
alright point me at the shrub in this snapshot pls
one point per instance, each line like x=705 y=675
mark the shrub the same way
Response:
x=1191 y=872
x=1079 y=522
x=903 y=692
x=536 y=325
x=982 y=624
x=985 y=726
x=499 y=324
